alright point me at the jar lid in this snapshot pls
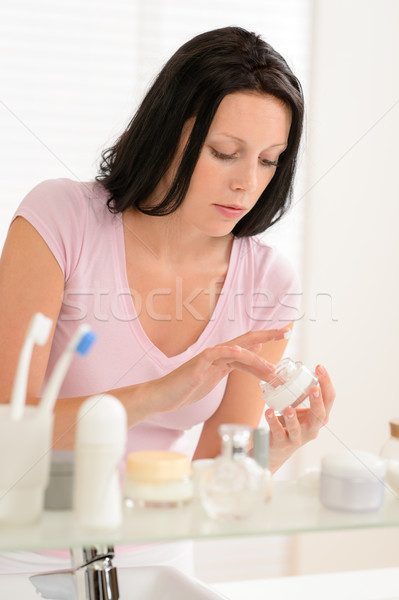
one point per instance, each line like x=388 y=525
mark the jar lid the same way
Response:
x=153 y=466
x=394 y=426
x=353 y=463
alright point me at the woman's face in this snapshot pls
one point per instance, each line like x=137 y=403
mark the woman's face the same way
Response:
x=237 y=162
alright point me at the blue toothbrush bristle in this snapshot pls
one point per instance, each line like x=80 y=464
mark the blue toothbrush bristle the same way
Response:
x=85 y=343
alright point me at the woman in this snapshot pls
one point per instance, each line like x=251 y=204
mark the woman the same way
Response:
x=158 y=256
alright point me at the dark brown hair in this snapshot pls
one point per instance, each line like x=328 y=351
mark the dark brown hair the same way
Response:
x=192 y=84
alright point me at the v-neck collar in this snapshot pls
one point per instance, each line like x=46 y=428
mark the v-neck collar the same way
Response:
x=133 y=321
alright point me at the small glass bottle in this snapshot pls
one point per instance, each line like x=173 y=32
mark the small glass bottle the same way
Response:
x=289 y=385
x=390 y=452
x=157 y=479
x=234 y=485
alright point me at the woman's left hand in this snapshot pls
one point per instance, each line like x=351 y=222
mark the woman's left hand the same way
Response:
x=302 y=424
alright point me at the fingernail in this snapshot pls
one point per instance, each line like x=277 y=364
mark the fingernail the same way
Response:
x=320 y=370
x=269 y=414
x=287 y=335
x=316 y=393
x=290 y=413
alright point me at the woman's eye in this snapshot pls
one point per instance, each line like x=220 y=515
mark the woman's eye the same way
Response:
x=223 y=156
x=265 y=162
x=269 y=163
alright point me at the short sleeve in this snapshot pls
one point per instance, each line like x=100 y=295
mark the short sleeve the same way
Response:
x=276 y=296
x=57 y=210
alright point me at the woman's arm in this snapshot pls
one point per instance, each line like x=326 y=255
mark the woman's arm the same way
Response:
x=185 y=385
x=31 y=281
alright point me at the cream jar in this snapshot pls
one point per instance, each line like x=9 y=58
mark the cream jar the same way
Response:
x=157 y=479
x=288 y=385
x=352 y=481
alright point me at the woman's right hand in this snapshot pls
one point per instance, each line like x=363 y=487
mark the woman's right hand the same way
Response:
x=197 y=377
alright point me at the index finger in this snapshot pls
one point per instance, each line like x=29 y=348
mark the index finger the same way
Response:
x=260 y=336
x=239 y=358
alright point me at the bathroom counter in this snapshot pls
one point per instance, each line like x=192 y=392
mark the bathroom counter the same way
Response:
x=290 y=510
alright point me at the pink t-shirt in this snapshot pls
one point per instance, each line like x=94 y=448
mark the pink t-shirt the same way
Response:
x=260 y=292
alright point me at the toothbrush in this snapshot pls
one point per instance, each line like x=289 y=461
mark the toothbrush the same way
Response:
x=38 y=333
x=80 y=343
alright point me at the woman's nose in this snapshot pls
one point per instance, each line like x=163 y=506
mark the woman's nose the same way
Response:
x=245 y=179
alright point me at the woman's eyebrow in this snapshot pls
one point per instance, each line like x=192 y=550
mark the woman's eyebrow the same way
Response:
x=238 y=139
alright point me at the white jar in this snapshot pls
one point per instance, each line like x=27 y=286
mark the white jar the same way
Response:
x=352 y=481
x=158 y=479
x=288 y=385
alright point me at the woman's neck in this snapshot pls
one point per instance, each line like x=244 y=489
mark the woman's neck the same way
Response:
x=168 y=241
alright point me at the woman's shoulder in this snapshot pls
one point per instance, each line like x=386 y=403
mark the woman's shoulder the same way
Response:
x=265 y=260
x=64 y=193
x=67 y=203
x=270 y=282
x=67 y=214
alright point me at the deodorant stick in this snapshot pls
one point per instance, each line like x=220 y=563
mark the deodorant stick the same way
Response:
x=100 y=445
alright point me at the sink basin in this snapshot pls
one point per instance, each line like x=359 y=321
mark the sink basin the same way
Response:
x=135 y=583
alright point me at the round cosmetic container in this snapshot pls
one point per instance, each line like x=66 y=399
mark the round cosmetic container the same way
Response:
x=288 y=385
x=158 y=479
x=352 y=481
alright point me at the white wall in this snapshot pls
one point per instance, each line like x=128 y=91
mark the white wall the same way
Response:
x=352 y=247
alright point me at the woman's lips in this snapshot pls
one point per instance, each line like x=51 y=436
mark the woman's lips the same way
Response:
x=230 y=212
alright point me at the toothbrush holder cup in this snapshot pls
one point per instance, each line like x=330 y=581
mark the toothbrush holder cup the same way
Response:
x=25 y=450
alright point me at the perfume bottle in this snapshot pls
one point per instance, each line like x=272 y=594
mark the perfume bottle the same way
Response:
x=390 y=453
x=288 y=385
x=234 y=485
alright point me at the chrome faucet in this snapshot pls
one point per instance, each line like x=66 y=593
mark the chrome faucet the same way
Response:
x=92 y=577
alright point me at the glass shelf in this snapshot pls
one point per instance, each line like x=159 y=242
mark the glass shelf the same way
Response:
x=289 y=511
